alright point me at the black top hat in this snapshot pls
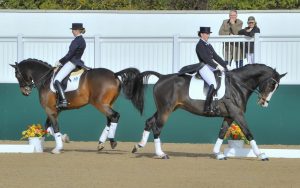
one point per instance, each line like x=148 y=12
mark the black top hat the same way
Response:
x=205 y=30
x=77 y=26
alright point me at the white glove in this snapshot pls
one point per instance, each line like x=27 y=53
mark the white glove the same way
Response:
x=219 y=67
x=229 y=67
x=58 y=64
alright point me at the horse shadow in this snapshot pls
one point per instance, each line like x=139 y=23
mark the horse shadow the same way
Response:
x=176 y=154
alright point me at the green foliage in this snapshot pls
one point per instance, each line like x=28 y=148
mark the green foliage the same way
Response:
x=253 y=5
x=150 y=4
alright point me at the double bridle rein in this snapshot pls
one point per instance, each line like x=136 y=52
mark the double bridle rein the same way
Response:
x=28 y=86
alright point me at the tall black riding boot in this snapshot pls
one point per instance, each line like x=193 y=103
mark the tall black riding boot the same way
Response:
x=63 y=103
x=209 y=97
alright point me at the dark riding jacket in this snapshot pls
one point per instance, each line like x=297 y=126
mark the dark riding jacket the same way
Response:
x=206 y=54
x=75 y=52
x=249 y=34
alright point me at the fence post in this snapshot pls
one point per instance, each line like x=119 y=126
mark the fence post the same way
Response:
x=20 y=55
x=176 y=53
x=257 y=47
x=97 y=51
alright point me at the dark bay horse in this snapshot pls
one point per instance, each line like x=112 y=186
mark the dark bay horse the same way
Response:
x=99 y=87
x=171 y=92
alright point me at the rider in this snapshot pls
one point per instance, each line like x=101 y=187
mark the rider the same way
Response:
x=70 y=61
x=209 y=61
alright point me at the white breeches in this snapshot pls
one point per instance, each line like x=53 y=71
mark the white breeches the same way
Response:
x=207 y=74
x=64 y=71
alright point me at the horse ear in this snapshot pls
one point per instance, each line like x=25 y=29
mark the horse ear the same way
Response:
x=282 y=75
x=14 y=66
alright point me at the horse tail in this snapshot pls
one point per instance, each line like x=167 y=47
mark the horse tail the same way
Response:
x=140 y=82
x=128 y=78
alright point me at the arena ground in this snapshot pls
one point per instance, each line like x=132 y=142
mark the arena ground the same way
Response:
x=190 y=165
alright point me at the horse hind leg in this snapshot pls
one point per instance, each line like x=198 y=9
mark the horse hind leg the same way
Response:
x=148 y=126
x=110 y=129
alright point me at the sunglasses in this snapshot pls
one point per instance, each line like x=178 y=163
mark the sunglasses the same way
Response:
x=251 y=22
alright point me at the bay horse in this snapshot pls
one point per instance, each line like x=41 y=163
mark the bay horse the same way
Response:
x=172 y=91
x=99 y=87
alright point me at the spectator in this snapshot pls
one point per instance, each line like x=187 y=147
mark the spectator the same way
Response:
x=232 y=50
x=250 y=32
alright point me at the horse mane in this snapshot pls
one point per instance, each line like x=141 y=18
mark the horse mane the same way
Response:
x=36 y=61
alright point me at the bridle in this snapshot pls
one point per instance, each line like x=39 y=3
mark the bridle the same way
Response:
x=257 y=91
x=28 y=86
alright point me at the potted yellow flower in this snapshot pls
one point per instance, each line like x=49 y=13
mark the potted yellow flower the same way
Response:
x=36 y=136
x=235 y=136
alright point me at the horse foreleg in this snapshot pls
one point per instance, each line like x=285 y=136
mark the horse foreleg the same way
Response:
x=243 y=125
x=220 y=155
x=48 y=126
x=57 y=135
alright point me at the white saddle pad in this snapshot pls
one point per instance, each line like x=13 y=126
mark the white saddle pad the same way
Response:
x=73 y=81
x=197 y=90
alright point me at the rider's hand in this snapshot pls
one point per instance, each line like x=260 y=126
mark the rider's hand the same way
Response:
x=219 y=67
x=58 y=64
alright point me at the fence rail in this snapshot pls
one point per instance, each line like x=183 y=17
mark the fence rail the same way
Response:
x=164 y=54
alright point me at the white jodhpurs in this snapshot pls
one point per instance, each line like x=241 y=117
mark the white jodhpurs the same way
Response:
x=64 y=71
x=207 y=74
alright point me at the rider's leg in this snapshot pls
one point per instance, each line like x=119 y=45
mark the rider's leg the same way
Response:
x=209 y=77
x=64 y=71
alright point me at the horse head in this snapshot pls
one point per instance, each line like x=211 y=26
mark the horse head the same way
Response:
x=31 y=73
x=267 y=88
x=24 y=78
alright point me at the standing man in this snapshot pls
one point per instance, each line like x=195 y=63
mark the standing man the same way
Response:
x=232 y=50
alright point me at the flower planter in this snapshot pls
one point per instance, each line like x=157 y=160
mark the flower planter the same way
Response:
x=38 y=143
x=235 y=143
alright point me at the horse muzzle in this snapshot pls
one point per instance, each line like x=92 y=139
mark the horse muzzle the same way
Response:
x=26 y=90
x=263 y=102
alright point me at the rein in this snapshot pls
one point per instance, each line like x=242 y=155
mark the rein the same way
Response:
x=34 y=84
x=256 y=91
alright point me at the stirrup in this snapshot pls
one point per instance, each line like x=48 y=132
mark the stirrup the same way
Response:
x=62 y=104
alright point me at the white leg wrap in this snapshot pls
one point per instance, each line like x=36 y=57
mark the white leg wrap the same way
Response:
x=104 y=134
x=50 y=130
x=112 y=130
x=217 y=146
x=58 y=141
x=158 y=150
x=145 y=137
x=254 y=147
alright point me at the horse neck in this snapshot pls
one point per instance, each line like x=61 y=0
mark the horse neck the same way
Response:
x=39 y=73
x=250 y=78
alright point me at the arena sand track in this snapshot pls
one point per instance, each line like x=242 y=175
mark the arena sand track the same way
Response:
x=191 y=165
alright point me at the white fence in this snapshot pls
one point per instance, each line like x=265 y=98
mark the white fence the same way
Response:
x=162 y=54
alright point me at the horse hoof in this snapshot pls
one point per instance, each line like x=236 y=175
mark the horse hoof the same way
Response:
x=135 y=148
x=165 y=157
x=113 y=144
x=100 y=146
x=263 y=157
x=220 y=156
x=56 y=151
x=65 y=138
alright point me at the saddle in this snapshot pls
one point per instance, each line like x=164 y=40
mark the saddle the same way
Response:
x=71 y=81
x=194 y=68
